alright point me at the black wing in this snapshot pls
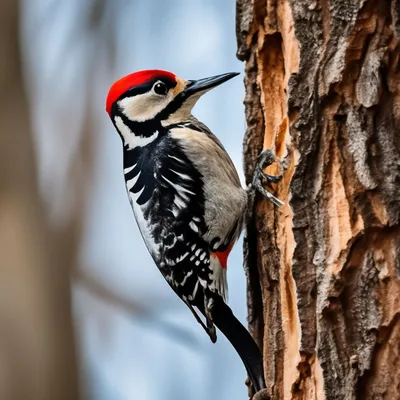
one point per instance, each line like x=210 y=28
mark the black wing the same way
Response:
x=171 y=198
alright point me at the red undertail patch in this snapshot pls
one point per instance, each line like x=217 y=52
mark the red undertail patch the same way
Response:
x=223 y=256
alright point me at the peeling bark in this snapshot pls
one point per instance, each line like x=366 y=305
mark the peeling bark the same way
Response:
x=323 y=91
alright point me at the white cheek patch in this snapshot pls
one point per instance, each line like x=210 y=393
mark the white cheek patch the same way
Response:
x=144 y=107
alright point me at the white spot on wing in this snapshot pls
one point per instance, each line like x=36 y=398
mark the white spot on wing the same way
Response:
x=178 y=188
x=190 y=273
x=179 y=202
x=203 y=282
x=176 y=158
x=175 y=211
x=196 y=286
x=131 y=182
x=193 y=226
x=183 y=176
x=127 y=170
x=182 y=257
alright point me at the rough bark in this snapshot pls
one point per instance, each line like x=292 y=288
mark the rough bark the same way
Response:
x=323 y=91
x=36 y=339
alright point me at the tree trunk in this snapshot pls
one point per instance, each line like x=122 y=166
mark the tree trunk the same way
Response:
x=36 y=338
x=323 y=91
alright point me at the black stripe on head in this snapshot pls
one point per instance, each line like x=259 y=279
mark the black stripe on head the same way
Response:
x=146 y=87
x=174 y=106
x=144 y=128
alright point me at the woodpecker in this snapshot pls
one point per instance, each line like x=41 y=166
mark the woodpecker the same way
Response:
x=186 y=195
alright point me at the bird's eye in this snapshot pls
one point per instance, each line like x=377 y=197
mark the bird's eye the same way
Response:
x=160 y=88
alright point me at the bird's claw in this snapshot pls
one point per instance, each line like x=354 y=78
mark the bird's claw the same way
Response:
x=266 y=158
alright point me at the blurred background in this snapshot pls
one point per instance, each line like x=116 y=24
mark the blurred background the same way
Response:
x=65 y=219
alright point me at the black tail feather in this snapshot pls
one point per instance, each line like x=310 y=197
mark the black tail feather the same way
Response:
x=241 y=340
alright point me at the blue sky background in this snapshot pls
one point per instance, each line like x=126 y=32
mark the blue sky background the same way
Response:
x=71 y=56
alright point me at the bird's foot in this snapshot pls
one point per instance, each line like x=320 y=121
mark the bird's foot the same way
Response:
x=266 y=158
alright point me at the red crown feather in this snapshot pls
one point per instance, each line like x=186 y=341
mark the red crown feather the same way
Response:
x=129 y=81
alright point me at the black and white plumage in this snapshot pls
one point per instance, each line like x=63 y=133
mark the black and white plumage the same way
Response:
x=185 y=194
x=181 y=226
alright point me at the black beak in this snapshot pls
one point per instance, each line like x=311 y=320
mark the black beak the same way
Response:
x=208 y=83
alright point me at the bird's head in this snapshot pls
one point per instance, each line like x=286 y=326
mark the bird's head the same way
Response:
x=157 y=95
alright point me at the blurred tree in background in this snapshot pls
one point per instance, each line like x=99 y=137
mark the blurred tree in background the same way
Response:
x=81 y=297
x=36 y=340
x=323 y=91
